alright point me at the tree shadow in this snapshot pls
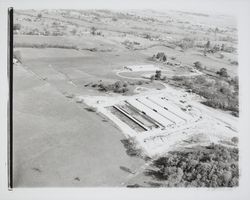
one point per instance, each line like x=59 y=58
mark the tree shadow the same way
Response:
x=155 y=174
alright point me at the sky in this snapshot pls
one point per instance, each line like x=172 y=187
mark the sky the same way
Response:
x=206 y=6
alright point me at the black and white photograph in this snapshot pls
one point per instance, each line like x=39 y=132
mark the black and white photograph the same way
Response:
x=124 y=97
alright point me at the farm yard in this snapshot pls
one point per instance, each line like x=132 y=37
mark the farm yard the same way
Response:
x=101 y=97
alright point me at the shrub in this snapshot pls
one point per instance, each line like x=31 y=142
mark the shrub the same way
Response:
x=131 y=147
x=91 y=109
x=207 y=44
x=158 y=74
x=186 y=43
x=178 y=78
x=235 y=140
x=39 y=15
x=140 y=83
x=198 y=65
x=93 y=30
x=234 y=62
x=222 y=72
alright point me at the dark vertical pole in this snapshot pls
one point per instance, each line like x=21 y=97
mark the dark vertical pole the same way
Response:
x=10 y=111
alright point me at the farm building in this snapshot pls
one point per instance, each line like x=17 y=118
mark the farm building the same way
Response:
x=152 y=113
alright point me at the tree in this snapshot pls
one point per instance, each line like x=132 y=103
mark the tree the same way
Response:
x=164 y=58
x=235 y=140
x=39 y=15
x=161 y=56
x=158 y=74
x=222 y=72
x=93 y=30
x=118 y=84
x=222 y=48
x=207 y=46
x=198 y=65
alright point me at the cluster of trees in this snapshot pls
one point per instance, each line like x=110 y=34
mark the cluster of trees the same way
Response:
x=117 y=87
x=131 y=147
x=211 y=166
x=208 y=48
x=158 y=76
x=93 y=31
x=160 y=56
x=186 y=43
x=44 y=32
x=223 y=72
x=219 y=93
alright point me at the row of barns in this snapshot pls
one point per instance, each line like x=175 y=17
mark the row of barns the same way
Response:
x=153 y=113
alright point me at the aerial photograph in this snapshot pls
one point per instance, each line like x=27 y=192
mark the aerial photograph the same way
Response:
x=125 y=98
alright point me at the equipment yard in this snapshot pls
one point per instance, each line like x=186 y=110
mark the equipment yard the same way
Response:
x=160 y=121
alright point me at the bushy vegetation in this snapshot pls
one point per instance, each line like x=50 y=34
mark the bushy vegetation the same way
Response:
x=219 y=93
x=222 y=72
x=198 y=65
x=158 y=76
x=39 y=15
x=130 y=44
x=160 y=56
x=117 y=87
x=212 y=48
x=131 y=147
x=93 y=31
x=91 y=109
x=185 y=43
x=45 y=45
x=211 y=166
x=234 y=62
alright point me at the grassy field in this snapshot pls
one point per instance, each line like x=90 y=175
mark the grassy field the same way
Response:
x=62 y=141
